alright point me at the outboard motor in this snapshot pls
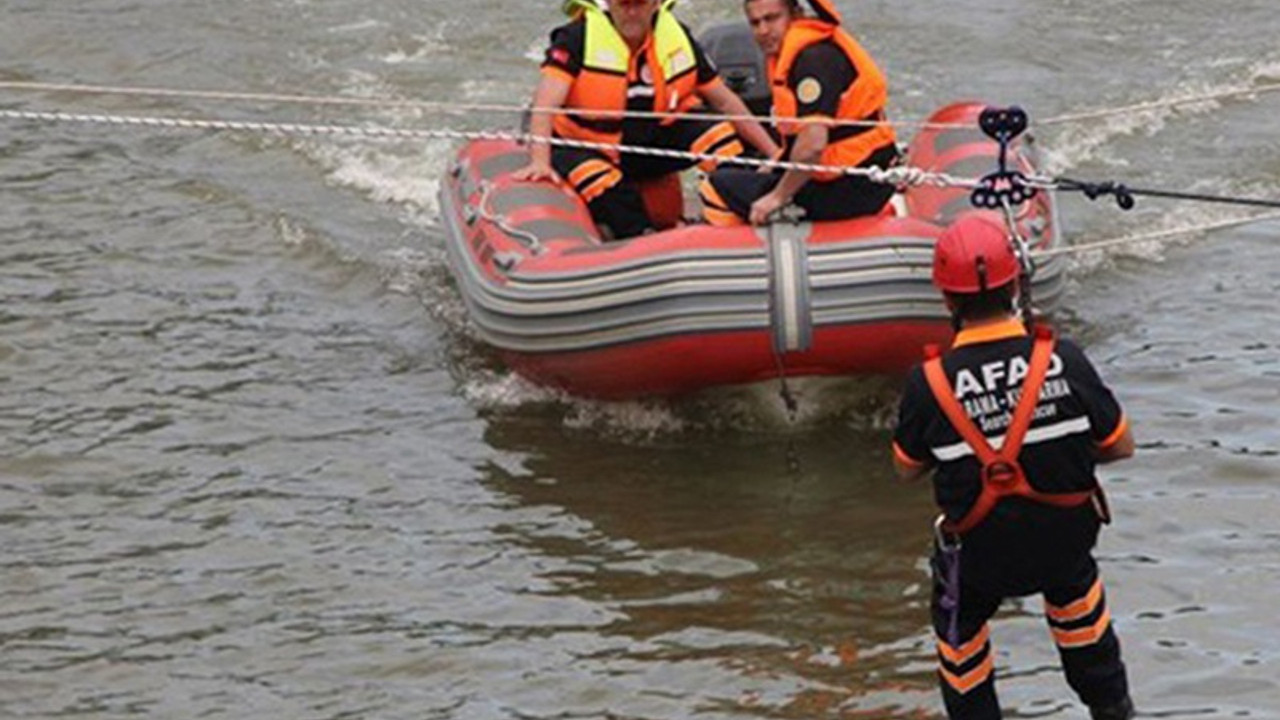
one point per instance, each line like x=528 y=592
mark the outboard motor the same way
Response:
x=735 y=52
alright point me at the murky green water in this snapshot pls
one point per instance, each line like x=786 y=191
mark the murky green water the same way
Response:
x=252 y=465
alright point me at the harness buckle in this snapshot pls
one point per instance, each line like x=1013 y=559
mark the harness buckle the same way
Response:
x=1001 y=473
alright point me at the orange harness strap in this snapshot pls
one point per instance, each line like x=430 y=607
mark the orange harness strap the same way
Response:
x=1002 y=475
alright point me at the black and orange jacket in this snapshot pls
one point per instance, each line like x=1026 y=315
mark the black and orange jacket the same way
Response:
x=602 y=75
x=864 y=100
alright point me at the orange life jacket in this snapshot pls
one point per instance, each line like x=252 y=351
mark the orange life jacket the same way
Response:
x=864 y=100
x=609 y=67
x=1002 y=475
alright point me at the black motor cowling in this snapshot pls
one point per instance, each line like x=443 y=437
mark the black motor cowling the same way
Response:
x=735 y=52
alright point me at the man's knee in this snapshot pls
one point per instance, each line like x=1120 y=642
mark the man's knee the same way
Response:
x=594 y=177
x=715 y=209
x=720 y=141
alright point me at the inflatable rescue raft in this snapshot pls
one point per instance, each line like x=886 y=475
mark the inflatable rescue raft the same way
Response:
x=699 y=306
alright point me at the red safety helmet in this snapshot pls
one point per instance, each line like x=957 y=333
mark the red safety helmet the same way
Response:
x=974 y=255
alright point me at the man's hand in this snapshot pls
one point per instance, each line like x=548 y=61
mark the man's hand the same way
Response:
x=535 y=171
x=764 y=208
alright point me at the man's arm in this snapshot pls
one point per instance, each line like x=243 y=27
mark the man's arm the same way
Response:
x=907 y=467
x=810 y=143
x=727 y=102
x=550 y=95
x=820 y=77
x=1119 y=446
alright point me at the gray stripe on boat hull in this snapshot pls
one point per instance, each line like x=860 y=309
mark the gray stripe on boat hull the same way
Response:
x=791 y=312
x=872 y=280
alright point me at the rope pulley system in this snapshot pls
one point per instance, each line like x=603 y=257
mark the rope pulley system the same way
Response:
x=1007 y=189
x=1005 y=186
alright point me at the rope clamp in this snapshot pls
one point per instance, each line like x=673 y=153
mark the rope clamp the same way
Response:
x=1005 y=186
x=1094 y=190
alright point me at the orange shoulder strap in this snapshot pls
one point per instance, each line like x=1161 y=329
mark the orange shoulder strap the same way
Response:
x=1041 y=358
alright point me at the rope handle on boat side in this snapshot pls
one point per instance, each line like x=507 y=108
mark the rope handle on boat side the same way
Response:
x=530 y=240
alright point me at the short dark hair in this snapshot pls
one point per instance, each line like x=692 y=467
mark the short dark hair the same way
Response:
x=983 y=305
x=792 y=5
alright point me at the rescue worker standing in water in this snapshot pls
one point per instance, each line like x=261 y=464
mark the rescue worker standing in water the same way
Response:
x=629 y=55
x=819 y=76
x=1012 y=426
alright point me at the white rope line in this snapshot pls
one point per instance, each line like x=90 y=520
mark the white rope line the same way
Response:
x=1160 y=104
x=444 y=106
x=464 y=108
x=893 y=176
x=1153 y=236
x=900 y=176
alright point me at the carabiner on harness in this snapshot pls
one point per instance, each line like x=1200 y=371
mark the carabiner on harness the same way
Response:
x=947 y=545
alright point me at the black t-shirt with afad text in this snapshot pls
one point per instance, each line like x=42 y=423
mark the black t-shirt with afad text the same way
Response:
x=1076 y=414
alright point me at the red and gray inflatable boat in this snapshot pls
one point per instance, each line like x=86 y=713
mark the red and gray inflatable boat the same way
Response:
x=698 y=306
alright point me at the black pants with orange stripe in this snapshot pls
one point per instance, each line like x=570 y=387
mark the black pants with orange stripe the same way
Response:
x=1075 y=609
x=603 y=182
x=728 y=193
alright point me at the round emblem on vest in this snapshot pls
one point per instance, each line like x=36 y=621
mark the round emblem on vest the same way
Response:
x=646 y=75
x=809 y=90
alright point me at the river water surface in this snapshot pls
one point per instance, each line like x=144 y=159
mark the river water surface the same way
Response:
x=254 y=465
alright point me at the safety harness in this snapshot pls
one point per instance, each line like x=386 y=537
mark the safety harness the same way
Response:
x=1002 y=475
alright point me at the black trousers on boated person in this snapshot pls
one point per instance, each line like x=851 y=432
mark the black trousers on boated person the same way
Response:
x=601 y=180
x=728 y=193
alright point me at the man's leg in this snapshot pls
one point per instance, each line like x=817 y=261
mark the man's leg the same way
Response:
x=699 y=137
x=716 y=139
x=966 y=665
x=1081 y=624
x=598 y=181
x=727 y=194
x=849 y=196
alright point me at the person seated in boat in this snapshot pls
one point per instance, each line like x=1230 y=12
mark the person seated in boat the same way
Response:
x=824 y=79
x=629 y=56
